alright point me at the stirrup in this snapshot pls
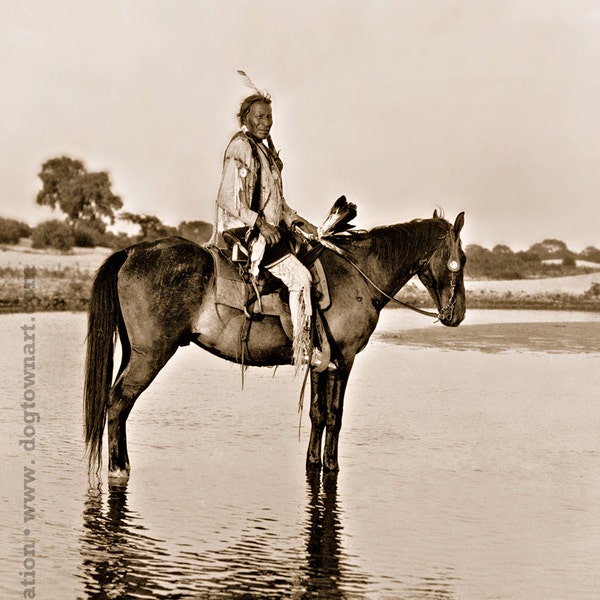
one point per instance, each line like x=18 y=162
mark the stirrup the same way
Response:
x=322 y=350
x=238 y=253
x=318 y=363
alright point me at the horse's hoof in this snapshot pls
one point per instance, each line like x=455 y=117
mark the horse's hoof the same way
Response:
x=118 y=475
x=331 y=467
x=312 y=467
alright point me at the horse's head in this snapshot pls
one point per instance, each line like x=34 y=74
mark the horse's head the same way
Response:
x=442 y=275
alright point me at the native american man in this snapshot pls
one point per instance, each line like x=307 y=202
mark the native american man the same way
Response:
x=251 y=195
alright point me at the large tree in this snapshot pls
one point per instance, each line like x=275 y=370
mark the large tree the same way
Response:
x=81 y=195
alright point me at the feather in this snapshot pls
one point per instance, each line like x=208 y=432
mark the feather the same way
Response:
x=339 y=217
x=249 y=82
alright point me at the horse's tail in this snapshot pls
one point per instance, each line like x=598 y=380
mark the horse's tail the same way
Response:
x=104 y=317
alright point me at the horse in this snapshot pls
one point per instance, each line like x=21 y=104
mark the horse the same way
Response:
x=158 y=296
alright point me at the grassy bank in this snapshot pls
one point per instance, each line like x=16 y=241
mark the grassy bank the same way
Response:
x=566 y=293
x=67 y=288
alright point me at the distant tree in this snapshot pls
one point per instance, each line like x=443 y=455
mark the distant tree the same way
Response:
x=474 y=251
x=503 y=263
x=11 y=231
x=196 y=231
x=117 y=241
x=550 y=249
x=479 y=261
x=86 y=236
x=52 y=234
x=529 y=257
x=151 y=227
x=594 y=291
x=24 y=229
x=591 y=253
x=81 y=195
x=501 y=249
x=507 y=264
x=499 y=263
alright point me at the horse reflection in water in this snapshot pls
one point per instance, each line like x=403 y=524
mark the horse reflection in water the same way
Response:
x=324 y=575
x=121 y=559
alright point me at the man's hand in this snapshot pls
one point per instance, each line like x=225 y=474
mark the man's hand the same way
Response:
x=269 y=232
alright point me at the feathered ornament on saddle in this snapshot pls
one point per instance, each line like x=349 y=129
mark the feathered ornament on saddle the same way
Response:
x=335 y=223
x=338 y=219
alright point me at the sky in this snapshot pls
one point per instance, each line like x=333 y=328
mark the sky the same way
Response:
x=488 y=107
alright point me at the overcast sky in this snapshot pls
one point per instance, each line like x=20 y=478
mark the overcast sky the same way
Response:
x=490 y=107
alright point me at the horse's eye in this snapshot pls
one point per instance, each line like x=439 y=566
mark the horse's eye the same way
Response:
x=454 y=266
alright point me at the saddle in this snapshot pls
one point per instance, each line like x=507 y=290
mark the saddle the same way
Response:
x=267 y=296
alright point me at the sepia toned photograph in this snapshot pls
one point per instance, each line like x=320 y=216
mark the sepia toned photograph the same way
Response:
x=300 y=300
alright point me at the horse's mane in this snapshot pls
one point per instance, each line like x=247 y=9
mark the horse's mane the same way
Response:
x=383 y=242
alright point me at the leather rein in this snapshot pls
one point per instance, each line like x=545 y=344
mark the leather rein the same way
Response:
x=453 y=267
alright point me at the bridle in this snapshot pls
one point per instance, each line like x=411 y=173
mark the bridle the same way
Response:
x=447 y=310
x=453 y=265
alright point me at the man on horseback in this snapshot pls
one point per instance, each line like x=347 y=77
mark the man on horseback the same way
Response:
x=251 y=195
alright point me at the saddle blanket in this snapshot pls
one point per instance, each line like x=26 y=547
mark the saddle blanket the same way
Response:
x=231 y=289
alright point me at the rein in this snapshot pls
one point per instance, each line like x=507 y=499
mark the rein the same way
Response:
x=439 y=315
x=374 y=285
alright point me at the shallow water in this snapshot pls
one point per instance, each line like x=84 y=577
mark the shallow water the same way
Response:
x=466 y=473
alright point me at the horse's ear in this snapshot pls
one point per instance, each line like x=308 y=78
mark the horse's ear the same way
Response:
x=435 y=215
x=458 y=224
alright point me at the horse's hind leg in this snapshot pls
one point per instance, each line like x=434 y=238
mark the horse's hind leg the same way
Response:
x=142 y=367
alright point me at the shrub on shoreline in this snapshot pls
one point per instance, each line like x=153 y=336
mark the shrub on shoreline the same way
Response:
x=65 y=289
x=53 y=234
x=12 y=230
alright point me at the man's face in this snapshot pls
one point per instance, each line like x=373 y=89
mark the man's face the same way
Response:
x=259 y=120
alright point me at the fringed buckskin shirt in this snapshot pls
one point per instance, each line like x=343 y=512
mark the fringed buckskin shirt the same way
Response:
x=240 y=171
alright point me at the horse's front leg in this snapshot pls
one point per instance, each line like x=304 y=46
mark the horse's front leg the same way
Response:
x=318 y=413
x=336 y=388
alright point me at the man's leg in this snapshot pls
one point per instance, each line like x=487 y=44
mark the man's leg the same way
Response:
x=297 y=279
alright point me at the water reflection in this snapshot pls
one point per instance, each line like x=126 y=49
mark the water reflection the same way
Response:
x=120 y=559
x=492 y=338
x=324 y=573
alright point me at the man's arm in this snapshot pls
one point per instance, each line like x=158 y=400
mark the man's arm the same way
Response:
x=237 y=182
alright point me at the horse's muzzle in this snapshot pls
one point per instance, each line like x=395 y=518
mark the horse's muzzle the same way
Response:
x=453 y=314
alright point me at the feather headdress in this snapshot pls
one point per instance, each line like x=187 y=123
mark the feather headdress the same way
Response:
x=249 y=83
